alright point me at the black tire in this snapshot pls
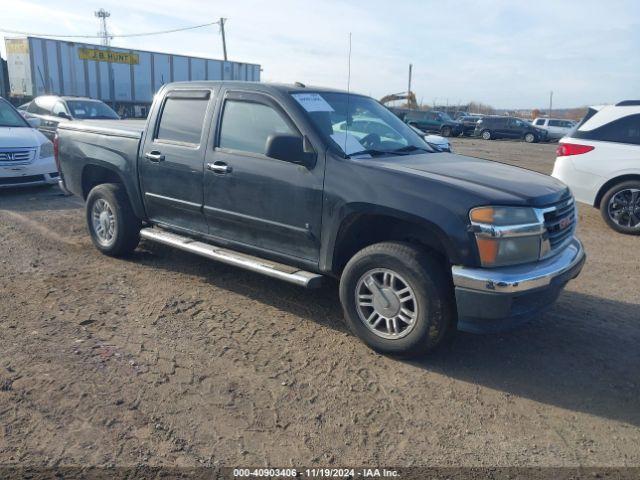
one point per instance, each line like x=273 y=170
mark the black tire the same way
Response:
x=126 y=226
x=486 y=135
x=430 y=284
x=446 y=131
x=607 y=213
x=530 y=138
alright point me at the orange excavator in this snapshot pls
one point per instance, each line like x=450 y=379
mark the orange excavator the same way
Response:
x=409 y=96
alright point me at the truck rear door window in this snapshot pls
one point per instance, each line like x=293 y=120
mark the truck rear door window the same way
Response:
x=182 y=120
x=247 y=125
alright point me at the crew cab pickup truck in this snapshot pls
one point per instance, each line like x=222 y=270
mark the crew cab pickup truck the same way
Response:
x=277 y=179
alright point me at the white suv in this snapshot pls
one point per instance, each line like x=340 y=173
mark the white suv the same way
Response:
x=600 y=161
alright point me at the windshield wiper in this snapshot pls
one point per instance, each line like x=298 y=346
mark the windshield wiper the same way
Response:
x=370 y=151
x=410 y=148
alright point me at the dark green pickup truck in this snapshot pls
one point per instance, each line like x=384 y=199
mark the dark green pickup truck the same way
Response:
x=291 y=182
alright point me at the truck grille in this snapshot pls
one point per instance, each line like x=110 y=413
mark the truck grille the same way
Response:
x=560 y=223
x=16 y=156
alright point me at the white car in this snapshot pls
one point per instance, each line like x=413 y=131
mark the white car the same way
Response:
x=438 y=143
x=600 y=162
x=556 y=127
x=26 y=156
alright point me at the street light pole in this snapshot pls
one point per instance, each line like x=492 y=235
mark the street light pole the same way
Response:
x=224 y=40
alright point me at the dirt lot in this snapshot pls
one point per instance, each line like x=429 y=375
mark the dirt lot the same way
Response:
x=167 y=359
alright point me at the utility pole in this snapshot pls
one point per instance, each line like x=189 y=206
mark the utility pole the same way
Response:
x=224 y=40
x=410 y=69
x=550 y=102
x=102 y=14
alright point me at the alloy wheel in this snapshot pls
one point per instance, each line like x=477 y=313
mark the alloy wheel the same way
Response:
x=103 y=221
x=386 y=303
x=624 y=208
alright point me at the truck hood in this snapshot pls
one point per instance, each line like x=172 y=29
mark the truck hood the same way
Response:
x=20 y=137
x=493 y=181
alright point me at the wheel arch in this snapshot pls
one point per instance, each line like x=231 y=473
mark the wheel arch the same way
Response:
x=612 y=182
x=367 y=226
x=94 y=174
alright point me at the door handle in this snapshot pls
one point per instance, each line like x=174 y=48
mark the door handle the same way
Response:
x=219 y=167
x=154 y=156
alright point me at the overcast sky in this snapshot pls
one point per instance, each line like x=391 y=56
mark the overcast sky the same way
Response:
x=506 y=53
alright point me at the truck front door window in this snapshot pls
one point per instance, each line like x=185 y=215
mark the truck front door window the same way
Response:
x=182 y=119
x=247 y=125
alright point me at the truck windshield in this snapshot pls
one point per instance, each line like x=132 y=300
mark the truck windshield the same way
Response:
x=9 y=117
x=360 y=126
x=83 y=110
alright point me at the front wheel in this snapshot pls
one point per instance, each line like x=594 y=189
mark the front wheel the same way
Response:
x=114 y=228
x=529 y=138
x=446 y=131
x=620 y=207
x=397 y=298
x=486 y=135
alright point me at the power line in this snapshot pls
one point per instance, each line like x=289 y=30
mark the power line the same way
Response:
x=125 y=35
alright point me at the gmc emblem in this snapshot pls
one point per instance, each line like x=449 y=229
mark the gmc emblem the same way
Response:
x=564 y=223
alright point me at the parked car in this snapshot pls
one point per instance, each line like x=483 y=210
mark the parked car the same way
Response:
x=432 y=121
x=26 y=156
x=360 y=126
x=556 y=127
x=490 y=128
x=262 y=176
x=469 y=123
x=600 y=161
x=52 y=110
x=438 y=143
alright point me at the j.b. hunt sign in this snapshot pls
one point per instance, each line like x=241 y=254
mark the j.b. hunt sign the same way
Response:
x=108 y=56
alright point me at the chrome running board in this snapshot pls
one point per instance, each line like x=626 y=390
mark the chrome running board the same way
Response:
x=266 y=267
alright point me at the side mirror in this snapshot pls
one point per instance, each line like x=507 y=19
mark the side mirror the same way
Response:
x=64 y=115
x=34 y=122
x=290 y=148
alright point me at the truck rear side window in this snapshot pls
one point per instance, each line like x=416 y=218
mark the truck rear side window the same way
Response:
x=182 y=120
x=247 y=125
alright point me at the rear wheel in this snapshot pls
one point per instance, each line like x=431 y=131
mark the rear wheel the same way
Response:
x=486 y=135
x=397 y=298
x=114 y=228
x=620 y=207
x=529 y=138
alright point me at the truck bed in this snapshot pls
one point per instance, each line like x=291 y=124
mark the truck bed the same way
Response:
x=121 y=128
x=92 y=149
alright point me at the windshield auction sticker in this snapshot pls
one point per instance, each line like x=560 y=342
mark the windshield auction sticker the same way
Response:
x=312 y=102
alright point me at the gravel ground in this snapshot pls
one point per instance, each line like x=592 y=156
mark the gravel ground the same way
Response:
x=167 y=359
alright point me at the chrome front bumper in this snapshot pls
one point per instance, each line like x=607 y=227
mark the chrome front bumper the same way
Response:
x=519 y=278
x=491 y=299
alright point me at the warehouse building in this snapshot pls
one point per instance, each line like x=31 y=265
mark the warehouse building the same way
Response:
x=125 y=79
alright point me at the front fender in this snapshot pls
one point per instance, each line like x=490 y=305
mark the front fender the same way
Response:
x=449 y=233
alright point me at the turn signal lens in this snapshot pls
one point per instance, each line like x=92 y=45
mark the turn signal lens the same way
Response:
x=488 y=249
x=482 y=215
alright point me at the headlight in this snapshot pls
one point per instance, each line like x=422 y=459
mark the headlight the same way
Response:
x=507 y=235
x=46 y=150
